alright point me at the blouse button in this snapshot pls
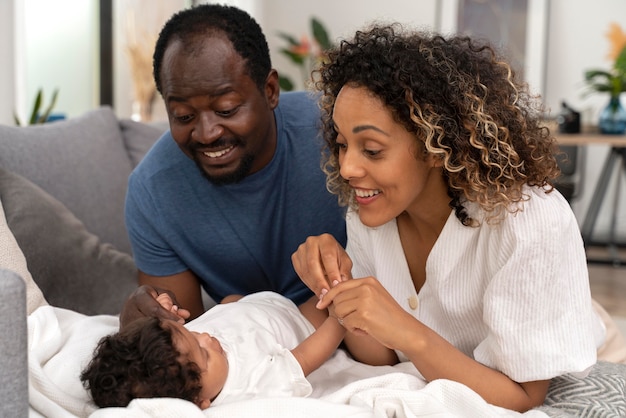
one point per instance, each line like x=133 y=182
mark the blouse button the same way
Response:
x=413 y=302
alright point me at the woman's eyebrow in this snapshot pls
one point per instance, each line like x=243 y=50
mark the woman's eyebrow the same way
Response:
x=361 y=128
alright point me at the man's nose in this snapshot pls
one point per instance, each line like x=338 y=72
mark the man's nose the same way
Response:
x=208 y=128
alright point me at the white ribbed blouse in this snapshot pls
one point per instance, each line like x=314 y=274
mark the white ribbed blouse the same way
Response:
x=513 y=295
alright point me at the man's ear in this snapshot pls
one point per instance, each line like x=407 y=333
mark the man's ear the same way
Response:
x=272 y=88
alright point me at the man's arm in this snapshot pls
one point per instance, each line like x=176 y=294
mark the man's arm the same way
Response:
x=183 y=288
x=319 y=346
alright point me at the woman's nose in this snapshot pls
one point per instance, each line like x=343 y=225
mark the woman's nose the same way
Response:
x=349 y=164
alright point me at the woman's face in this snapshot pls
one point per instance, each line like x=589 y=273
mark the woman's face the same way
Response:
x=382 y=161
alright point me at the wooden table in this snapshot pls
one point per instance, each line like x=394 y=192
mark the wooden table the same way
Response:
x=617 y=155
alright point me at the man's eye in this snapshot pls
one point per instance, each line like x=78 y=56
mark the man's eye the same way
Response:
x=228 y=112
x=184 y=118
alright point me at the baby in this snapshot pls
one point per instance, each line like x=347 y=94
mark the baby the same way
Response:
x=259 y=345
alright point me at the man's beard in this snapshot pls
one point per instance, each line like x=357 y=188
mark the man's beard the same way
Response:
x=242 y=170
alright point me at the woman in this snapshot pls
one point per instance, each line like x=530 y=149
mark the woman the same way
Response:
x=469 y=264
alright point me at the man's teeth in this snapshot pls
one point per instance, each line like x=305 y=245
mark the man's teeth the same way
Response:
x=216 y=154
x=366 y=193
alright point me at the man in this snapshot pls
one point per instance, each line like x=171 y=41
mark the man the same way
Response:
x=225 y=197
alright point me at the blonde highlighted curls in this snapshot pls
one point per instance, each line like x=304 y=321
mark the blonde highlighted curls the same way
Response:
x=458 y=98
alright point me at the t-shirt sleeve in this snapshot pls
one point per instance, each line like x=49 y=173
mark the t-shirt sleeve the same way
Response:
x=283 y=375
x=537 y=306
x=152 y=254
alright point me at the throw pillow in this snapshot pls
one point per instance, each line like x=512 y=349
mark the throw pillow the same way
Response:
x=139 y=137
x=80 y=161
x=71 y=266
x=12 y=258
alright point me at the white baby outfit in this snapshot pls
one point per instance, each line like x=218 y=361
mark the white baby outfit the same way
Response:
x=257 y=334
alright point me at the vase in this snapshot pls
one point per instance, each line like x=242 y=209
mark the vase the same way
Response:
x=613 y=118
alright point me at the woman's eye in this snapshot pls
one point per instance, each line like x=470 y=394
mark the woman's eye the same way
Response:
x=371 y=152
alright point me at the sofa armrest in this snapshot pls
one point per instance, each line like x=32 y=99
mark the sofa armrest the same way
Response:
x=13 y=346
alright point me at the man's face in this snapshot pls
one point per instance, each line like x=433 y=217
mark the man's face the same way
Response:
x=218 y=116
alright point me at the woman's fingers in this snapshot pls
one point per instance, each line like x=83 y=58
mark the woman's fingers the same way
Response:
x=320 y=261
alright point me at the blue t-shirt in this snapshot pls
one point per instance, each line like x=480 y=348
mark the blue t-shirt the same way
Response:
x=237 y=238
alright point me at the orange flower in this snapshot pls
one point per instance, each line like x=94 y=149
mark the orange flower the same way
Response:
x=303 y=48
x=617 y=40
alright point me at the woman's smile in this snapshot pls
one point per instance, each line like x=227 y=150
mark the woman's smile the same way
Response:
x=366 y=196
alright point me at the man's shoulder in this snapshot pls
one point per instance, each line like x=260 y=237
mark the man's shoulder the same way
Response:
x=299 y=108
x=163 y=156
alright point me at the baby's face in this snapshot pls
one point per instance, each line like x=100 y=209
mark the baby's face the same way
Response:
x=207 y=353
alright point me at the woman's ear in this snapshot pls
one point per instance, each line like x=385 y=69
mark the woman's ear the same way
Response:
x=436 y=160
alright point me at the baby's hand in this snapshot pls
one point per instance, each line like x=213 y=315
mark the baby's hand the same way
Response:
x=167 y=303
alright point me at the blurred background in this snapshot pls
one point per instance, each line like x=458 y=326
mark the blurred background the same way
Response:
x=98 y=52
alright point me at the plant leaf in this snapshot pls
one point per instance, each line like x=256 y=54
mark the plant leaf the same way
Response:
x=320 y=34
x=290 y=39
x=296 y=58
x=48 y=110
x=591 y=74
x=620 y=62
x=285 y=83
x=36 y=106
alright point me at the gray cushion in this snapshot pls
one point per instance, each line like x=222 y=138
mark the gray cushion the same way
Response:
x=601 y=394
x=13 y=348
x=73 y=269
x=139 y=137
x=82 y=162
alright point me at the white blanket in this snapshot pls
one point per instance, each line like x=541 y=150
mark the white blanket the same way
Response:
x=61 y=343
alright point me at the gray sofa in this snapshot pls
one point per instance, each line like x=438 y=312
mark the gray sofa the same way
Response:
x=62 y=189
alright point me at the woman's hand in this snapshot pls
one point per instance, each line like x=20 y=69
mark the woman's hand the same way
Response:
x=366 y=307
x=143 y=302
x=320 y=261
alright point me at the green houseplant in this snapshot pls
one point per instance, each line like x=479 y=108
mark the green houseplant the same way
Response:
x=304 y=52
x=612 y=81
x=36 y=114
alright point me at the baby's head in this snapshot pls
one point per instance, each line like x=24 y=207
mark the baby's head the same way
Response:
x=156 y=358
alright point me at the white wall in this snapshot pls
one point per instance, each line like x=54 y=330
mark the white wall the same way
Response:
x=341 y=18
x=58 y=43
x=7 y=70
x=142 y=20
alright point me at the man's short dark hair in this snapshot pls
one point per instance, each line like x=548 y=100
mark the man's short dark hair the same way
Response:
x=209 y=19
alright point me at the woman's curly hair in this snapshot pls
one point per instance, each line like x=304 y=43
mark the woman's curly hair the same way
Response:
x=140 y=361
x=460 y=99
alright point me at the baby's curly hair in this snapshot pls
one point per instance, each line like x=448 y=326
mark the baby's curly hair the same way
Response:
x=140 y=361
x=459 y=98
